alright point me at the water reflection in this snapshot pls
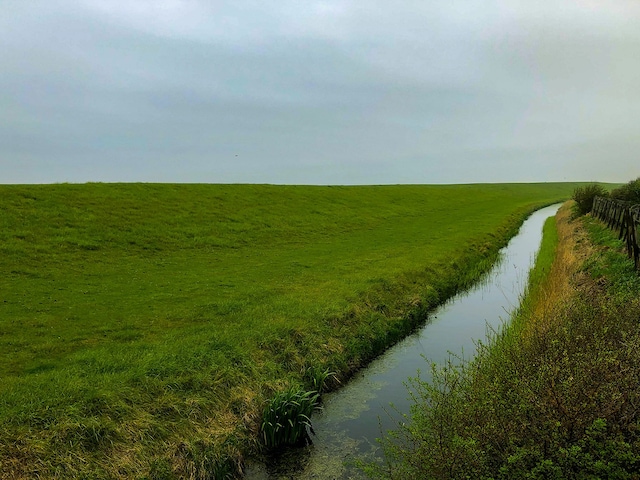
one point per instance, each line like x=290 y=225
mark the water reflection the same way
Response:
x=354 y=416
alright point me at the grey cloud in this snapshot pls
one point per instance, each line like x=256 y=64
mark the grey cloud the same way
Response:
x=336 y=92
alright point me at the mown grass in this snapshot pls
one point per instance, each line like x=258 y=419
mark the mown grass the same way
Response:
x=143 y=328
x=554 y=395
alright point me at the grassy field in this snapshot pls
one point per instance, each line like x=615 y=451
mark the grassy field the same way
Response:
x=552 y=396
x=143 y=327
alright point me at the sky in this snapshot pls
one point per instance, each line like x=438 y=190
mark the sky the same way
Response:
x=319 y=92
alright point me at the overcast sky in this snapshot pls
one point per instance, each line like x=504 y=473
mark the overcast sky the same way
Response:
x=319 y=92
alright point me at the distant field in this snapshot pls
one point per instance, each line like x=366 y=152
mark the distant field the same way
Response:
x=143 y=326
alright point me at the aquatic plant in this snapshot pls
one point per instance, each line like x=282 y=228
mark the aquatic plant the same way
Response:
x=287 y=417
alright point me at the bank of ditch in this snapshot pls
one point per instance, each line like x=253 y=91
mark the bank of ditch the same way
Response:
x=554 y=394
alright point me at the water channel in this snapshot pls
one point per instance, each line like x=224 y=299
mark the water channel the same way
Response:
x=357 y=414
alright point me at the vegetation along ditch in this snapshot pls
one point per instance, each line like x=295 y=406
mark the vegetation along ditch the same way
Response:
x=552 y=395
x=355 y=416
x=145 y=328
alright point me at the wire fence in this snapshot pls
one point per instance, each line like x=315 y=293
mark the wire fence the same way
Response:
x=624 y=217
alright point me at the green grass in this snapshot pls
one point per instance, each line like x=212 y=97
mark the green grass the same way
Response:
x=552 y=396
x=144 y=327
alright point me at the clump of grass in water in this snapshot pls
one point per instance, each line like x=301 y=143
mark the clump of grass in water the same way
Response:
x=287 y=417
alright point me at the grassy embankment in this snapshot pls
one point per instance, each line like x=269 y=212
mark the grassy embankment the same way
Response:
x=553 y=396
x=144 y=327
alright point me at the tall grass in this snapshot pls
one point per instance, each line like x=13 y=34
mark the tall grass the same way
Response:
x=551 y=396
x=143 y=328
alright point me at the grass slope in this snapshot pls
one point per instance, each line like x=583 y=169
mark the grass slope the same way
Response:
x=143 y=327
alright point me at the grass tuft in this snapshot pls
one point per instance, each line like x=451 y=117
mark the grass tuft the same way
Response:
x=287 y=417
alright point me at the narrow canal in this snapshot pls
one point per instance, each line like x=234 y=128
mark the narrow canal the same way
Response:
x=358 y=413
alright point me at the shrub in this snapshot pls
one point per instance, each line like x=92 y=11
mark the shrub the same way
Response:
x=584 y=196
x=629 y=192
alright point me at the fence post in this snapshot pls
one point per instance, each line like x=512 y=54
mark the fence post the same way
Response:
x=634 y=214
x=623 y=217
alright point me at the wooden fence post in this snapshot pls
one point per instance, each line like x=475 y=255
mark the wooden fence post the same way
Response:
x=623 y=217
